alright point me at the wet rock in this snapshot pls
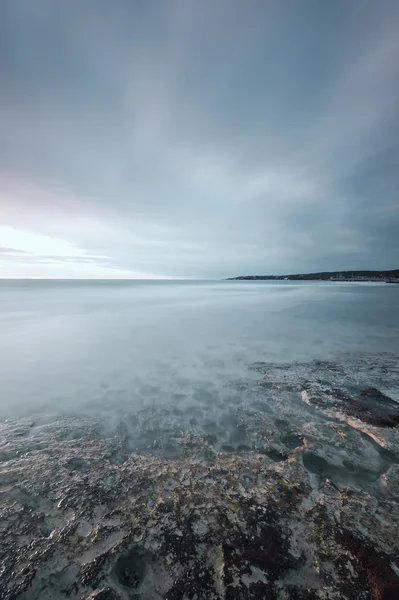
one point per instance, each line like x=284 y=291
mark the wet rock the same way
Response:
x=339 y=452
x=256 y=558
x=197 y=582
x=292 y=440
x=377 y=576
x=374 y=393
x=105 y=593
x=302 y=502
x=92 y=571
x=369 y=406
x=130 y=568
x=390 y=481
x=276 y=454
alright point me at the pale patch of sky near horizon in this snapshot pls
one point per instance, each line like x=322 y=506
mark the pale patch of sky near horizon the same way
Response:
x=198 y=139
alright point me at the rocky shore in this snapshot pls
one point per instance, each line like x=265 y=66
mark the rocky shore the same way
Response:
x=291 y=491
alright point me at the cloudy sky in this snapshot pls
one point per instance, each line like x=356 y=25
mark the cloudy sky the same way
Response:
x=207 y=138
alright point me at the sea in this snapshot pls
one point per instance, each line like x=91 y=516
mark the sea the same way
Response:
x=115 y=347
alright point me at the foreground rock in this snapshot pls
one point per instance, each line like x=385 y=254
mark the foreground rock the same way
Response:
x=303 y=502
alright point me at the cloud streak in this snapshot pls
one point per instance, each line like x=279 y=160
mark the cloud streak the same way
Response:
x=201 y=139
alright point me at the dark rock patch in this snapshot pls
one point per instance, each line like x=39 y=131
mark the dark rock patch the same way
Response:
x=226 y=448
x=92 y=571
x=130 y=569
x=197 y=582
x=370 y=405
x=211 y=428
x=256 y=559
x=261 y=405
x=180 y=541
x=373 y=567
x=275 y=454
x=104 y=593
x=243 y=448
x=172 y=451
x=238 y=434
x=292 y=440
x=327 y=365
x=348 y=474
x=77 y=464
x=293 y=592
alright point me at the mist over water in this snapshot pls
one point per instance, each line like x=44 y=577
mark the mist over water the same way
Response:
x=117 y=346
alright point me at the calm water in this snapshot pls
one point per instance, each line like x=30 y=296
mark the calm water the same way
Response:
x=113 y=346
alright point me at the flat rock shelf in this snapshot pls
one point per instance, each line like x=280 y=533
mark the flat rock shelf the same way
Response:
x=289 y=490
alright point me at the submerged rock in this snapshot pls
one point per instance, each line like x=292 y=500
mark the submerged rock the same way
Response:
x=390 y=481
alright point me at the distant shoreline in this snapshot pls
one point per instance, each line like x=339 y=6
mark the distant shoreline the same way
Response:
x=379 y=276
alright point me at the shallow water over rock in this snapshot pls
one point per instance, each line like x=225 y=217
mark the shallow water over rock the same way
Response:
x=288 y=491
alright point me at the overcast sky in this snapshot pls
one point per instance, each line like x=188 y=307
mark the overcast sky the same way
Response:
x=208 y=138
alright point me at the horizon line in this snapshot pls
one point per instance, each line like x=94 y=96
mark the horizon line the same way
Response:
x=186 y=278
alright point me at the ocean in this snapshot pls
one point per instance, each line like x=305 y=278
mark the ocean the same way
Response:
x=116 y=346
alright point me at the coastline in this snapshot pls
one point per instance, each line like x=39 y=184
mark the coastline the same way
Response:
x=391 y=276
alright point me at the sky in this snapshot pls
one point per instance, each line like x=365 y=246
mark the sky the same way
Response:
x=201 y=139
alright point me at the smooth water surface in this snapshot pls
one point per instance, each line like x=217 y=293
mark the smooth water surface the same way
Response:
x=97 y=346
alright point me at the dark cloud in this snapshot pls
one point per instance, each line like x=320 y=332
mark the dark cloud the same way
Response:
x=200 y=139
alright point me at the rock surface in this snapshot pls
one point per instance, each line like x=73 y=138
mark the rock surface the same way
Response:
x=288 y=488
